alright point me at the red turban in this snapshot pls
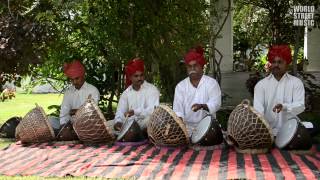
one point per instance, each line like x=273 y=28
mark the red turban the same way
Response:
x=281 y=51
x=195 y=54
x=74 y=69
x=132 y=67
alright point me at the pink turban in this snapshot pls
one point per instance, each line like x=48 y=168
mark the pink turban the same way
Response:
x=281 y=51
x=132 y=67
x=195 y=54
x=74 y=69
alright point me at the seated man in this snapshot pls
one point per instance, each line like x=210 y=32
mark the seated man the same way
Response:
x=280 y=95
x=139 y=99
x=75 y=95
x=198 y=94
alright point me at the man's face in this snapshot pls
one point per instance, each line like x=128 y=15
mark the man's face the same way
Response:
x=137 y=79
x=278 y=66
x=77 y=82
x=194 y=69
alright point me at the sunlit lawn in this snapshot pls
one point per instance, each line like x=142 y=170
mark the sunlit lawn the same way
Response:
x=23 y=103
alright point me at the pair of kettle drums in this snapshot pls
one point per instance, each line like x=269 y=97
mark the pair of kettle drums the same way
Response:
x=88 y=125
x=166 y=129
x=249 y=132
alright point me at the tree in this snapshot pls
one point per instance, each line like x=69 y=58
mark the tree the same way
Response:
x=106 y=34
x=21 y=36
x=279 y=22
x=249 y=27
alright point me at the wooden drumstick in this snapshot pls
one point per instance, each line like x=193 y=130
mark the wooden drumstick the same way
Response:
x=125 y=121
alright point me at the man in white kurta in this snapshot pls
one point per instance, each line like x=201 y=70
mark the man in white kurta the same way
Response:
x=269 y=92
x=75 y=95
x=198 y=95
x=73 y=98
x=280 y=95
x=141 y=102
x=139 y=99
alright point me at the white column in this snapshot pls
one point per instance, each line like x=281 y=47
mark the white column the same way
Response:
x=313 y=52
x=305 y=43
x=225 y=43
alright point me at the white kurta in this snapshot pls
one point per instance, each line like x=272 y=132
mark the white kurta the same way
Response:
x=289 y=92
x=208 y=92
x=74 y=98
x=142 y=102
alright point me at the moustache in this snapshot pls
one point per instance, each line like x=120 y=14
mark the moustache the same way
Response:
x=192 y=72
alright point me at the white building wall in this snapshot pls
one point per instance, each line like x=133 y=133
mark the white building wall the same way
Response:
x=313 y=52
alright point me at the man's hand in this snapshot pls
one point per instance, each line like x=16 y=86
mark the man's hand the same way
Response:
x=129 y=114
x=117 y=126
x=277 y=108
x=73 y=112
x=197 y=107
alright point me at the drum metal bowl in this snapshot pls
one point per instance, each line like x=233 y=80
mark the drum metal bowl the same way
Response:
x=293 y=136
x=131 y=132
x=207 y=133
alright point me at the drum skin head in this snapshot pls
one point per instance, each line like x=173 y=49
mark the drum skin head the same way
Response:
x=293 y=136
x=125 y=128
x=201 y=130
x=131 y=132
x=286 y=133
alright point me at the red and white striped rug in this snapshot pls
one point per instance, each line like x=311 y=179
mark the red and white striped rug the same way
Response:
x=149 y=162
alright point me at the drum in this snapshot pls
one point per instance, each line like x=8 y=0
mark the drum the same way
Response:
x=207 y=133
x=35 y=127
x=293 y=136
x=67 y=133
x=248 y=131
x=90 y=124
x=165 y=128
x=8 y=129
x=131 y=134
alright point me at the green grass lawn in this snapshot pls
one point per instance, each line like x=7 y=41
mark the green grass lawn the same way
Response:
x=23 y=103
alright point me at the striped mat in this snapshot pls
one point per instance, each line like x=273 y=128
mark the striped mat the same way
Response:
x=148 y=162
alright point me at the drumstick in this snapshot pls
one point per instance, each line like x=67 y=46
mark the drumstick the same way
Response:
x=125 y=121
